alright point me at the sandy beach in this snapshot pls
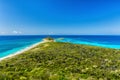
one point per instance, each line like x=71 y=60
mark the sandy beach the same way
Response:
x=23 y=50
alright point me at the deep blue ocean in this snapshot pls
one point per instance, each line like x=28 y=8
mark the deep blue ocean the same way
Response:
x=12 y=44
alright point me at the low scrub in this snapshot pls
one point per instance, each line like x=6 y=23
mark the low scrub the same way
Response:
x=63 y=61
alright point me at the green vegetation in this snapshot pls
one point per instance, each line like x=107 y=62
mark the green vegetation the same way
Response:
x=63 y=61
x=49 y=39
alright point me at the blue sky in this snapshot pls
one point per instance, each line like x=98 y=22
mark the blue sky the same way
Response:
x=79 y=17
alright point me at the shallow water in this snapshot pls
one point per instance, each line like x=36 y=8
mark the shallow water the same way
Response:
x=12 y=44
x=101 y=41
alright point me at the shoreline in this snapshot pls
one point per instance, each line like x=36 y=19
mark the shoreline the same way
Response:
x=23 y=50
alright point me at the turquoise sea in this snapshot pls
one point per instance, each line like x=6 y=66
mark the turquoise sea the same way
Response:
x=12 y=44
x=100 y=41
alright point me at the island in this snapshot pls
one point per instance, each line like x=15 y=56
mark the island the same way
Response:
x=48 y=39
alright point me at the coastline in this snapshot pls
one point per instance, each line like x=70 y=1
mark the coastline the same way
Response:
x=23 y=50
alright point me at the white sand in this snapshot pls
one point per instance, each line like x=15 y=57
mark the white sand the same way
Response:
x=21 y=51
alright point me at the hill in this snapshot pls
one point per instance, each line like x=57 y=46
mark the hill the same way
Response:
x=62 y=61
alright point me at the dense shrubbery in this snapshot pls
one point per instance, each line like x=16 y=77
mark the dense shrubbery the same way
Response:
x=63 y=61
x=48 y=38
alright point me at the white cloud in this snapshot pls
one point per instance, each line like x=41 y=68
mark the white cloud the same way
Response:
x=51 y=33
x=16 y=32
x=2 y=32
